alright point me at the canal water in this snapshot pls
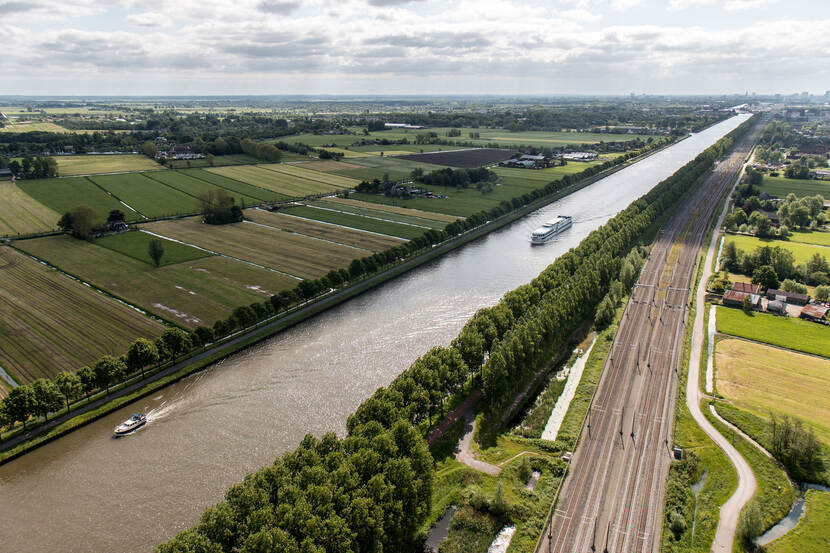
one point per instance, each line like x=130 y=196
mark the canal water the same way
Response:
x=87 y=492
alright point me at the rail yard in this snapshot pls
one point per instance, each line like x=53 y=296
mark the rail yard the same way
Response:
x=613 y=497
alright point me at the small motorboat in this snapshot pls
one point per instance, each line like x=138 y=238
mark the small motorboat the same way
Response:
x=131 y=425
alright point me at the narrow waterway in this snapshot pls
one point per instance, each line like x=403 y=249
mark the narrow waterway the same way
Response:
x=89 y=492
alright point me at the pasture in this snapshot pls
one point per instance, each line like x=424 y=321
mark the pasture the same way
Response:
x=238 y=187
x=349 y=237
x=347 y=153
x=104 y=163
x=195 y=187
x=22 y=214
x=136 y=244
x=538 y=178
x=298 y=256
x=764 y=380
x=786 y=332
x=818 y=237
x=50 y=323
x=376 y=166
x=191 y=293
x=282 y=184
x=62 y=195
x=351 y=220
x=801 y=251
x=466 y=158
x=394 y=209
x=782 y=186
x=336 y=181
x=218 y=161
x=810 y=535
x=328 y=166
x=147 y=196
x=395 y=214
x=35 y=126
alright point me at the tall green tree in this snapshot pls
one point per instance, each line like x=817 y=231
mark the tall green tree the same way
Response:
x=87 y=377
x=20 y=404
x=156 y=250
x=47 y=397
x=142 y=353
x=108 y=370
x=176 y=341
x=69 y=384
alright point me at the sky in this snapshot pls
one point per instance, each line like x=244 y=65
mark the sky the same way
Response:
x=505 y=47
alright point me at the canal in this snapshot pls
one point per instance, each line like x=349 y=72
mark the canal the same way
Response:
x=87 y=492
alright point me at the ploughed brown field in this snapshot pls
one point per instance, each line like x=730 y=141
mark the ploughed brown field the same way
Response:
x=466 y=159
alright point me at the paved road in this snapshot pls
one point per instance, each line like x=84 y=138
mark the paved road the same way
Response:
x=464 y=452
x=731 y=510
x=613 y=497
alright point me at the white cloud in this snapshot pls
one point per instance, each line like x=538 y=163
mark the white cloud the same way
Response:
x=149 y=19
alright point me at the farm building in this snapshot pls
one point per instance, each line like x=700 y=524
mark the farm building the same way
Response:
x=747 y=288
x=580 y=156
x=736 y=299
x=778 y=307
x=823 y=174
x=815 y=313
x=788 y=297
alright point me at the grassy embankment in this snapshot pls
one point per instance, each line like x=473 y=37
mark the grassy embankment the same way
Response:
x=810 y=536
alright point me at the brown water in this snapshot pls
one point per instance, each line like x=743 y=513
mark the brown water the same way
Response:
x=88 y=492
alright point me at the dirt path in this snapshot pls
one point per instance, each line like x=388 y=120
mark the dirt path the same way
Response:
x=464 y=452
x=729 y=512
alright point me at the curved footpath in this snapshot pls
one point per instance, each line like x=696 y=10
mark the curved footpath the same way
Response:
x=731 y=510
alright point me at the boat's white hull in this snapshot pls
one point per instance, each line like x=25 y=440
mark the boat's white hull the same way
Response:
x=536 y=240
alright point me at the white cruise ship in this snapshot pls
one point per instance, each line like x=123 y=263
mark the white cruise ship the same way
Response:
x=550 y=229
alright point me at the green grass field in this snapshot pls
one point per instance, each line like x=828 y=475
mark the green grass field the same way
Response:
x=50 y=323
x=280 y=183
x=32 y=126
x=92 y=164
x=232 y=185
x=763 y=379
x=537 y=178
x=195 y=187
x=821 y=238
x=355 y=221
x=349 y=237
x=786 y=332
x=810 y=535
x=801 y=251
x=431 y=215
x=218 y=161
x=399 y=215
x=191 y=293
x=147 y=196
x=22 y=214
x=137 y=244
x=62 y=195
x=298 y=172
x=782 y=186
x=295 y=255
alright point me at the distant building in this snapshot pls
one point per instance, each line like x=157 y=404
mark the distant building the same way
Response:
x=778 y=307
x=580 y=156
x=815 y=313
x=402 y=126
x=732 y=298
x=747 y=288
x=529 y=157
x=788 y=297
x=823 y=174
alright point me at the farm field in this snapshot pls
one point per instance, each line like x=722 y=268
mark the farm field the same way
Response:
x=821 y=238
x=147 y=196
x=801 y=251
x=62 y=195
x=376 y=166
x=786 y=332
x=104 y=163
x=287 y=186
x=782 y=186
x=466 y=158
x=763 y=379
x=394 y=209
x=328 y=166
x=232 y=185
x=347 y=236
x=351 y=220
x=347 y=153
x=486 y=136
x=196 y=187
x=191 y=293
x=136 y=244
x=336 y=181
x=810 y=535
x=33 y=126
x=397 y=149
x=400 y=214
x=218 y=161
x=22 y=214
x=294 y=255
x=537 y=178
x=50 y=323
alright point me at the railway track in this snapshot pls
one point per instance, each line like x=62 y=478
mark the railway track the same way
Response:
x=612 y=500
